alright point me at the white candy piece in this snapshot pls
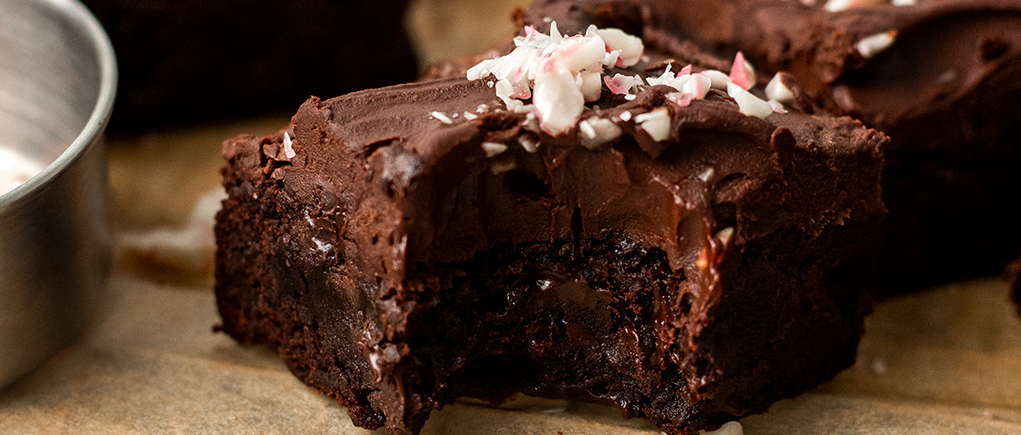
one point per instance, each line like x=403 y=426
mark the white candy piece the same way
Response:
x=904 y=2
x=719 y=79
x=578 y=52
x=554 y=34
x=777 y=106
x=679 y=81
x=597 y=131
x=663 y=79
x=493 y=149
x=725 y=235
x=698 y=86
x=656 y=123
x=874 y=44
x=776 y=90
x=749 y=104
x=558 y=99
x=441 y=117
x=498 y=168
x=630 y=47
x=842 y=5
x=288 y=147
x=591 y=86
x=528 y=144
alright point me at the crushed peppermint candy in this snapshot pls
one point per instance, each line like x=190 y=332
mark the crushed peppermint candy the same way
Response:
x=552 y=77
x=776 y=90
x=718 y=78
x=697 y=85
x=493 y=149
x=680 y=98
x=497 y=168
x=288 y=147
x=725 y=235
x=872 y=45
x=527 y=144
x=656 y=123
x=441 y=117
x=842 y=5
x=777 y=106
x=597 y=131
x=748 y=103
x=742 y=73
x=559 y=74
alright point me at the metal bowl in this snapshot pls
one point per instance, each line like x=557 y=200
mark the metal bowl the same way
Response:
x=57 y=82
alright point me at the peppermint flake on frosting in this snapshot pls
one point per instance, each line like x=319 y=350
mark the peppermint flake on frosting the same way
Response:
x=559 y=74
x=288 y=147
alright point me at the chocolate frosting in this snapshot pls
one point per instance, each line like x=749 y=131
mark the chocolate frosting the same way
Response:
x=636 y=187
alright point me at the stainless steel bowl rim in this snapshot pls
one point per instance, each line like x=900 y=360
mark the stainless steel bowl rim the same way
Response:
x=80 y=16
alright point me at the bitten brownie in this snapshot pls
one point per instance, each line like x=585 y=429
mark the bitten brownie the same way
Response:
x=940 y=77
x=655 y=247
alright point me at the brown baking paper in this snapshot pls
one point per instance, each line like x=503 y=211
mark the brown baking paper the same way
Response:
x=943 y=361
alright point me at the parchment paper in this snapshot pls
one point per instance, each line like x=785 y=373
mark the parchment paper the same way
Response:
x=943 y=361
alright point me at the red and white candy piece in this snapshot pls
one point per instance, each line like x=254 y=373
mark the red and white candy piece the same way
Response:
x=560 y=74
x=557 y=99
x=621 y=84
x=742 y=73
x=698 y=86
x=629 y=47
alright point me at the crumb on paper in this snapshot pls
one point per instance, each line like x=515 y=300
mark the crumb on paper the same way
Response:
x=181 y=253
x=879 y=366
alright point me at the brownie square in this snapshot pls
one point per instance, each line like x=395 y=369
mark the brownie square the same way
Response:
x=690 y=263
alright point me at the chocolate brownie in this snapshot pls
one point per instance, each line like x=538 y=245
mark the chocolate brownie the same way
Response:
x=940 y=77
x=666 y=247
x=199 y=61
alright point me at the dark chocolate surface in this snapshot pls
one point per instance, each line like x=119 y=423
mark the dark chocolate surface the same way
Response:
x=944 y=91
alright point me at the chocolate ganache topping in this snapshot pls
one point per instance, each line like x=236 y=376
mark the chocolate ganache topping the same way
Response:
x=557 y=189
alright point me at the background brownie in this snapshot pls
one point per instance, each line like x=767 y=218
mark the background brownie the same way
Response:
x=189 y=61
x=940 y=77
